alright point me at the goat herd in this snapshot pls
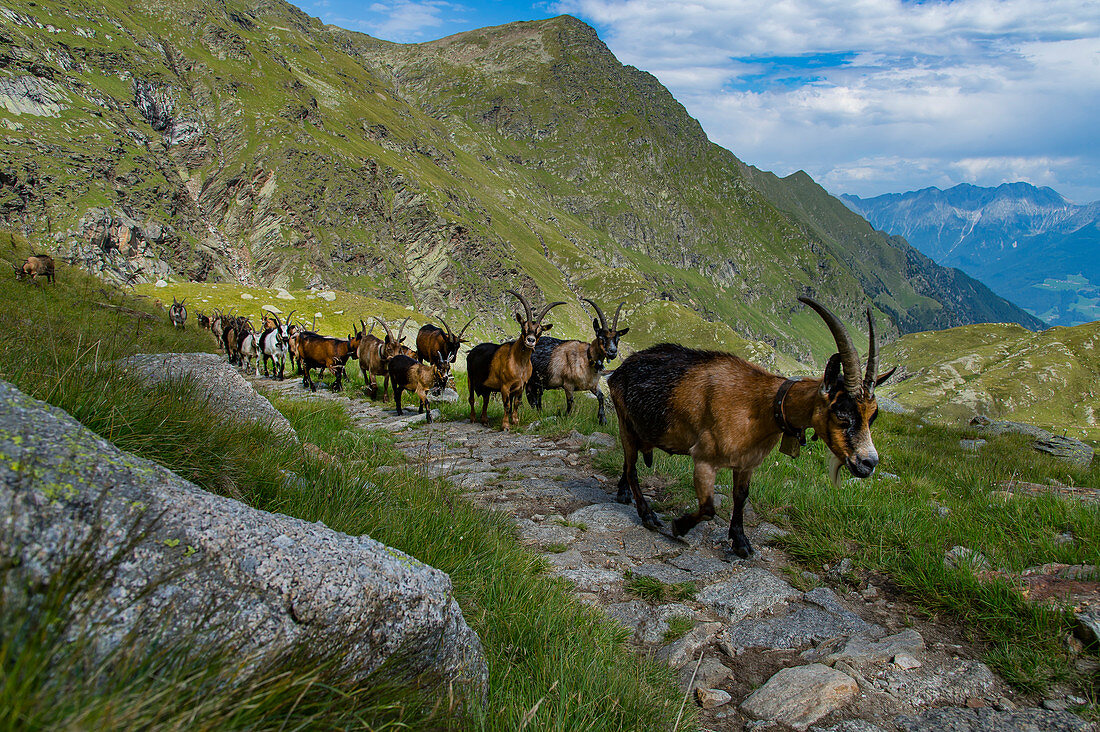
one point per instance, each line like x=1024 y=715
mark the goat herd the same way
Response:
x=721 y=410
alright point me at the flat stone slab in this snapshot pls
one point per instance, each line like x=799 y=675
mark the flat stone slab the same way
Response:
x=701 y=567
x=799 y=696
x=546 y=533
x=819 y=618
x=863 y=648
x=991 y=720
x=662 y=572
x=648 y=623
x=591 y=579
x=953 y=682
x=607 y=517
x=748 y=592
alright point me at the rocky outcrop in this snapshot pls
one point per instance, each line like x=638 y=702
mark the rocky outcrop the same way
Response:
x=215 y=380
x=209 y=569
x=1060 y=446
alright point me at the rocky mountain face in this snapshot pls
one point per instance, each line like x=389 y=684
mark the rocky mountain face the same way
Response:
x=247 y=142
x=1027 y=243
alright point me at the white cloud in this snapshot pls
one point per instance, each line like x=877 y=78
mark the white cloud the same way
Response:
x=404 y=21
x=871 y=96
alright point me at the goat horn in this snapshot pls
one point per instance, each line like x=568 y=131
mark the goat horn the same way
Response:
x=849 y=358
x=603 y=320
x=465 y=327
x=401 y=330
x=389 y=333
x=546 y=309
x=362 y=325
x=450 y=331
x=526 y=305
x=872 y=356
x=615 y=322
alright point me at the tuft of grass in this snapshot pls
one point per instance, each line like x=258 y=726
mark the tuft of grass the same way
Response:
x=555 y=548
x=650 y=588
x=678 y=627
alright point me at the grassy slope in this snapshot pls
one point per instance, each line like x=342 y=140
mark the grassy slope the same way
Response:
x=1004 y=371
x=541 y=645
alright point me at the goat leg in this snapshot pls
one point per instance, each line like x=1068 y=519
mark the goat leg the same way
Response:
x=601 y=415
x=739 y=542
x=704 y=494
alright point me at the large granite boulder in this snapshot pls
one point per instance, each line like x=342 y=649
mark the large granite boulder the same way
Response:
x=190 y=564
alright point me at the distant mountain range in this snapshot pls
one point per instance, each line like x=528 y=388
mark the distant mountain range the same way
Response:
x=1030 y=245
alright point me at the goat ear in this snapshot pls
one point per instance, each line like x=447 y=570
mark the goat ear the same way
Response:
x=548 y=326
x=520 y=320
x=596 y=325
x=833 y=380
x=621 y=333
x=884 y=377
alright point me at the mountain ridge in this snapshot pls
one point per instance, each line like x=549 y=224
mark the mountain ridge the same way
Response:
x=252 y=143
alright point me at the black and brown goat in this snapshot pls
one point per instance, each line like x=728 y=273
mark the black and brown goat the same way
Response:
x=177 y=314
x=426 y=380
x=35 y=266
x=374 y=355
x=202 y=320
x=432 y=341
x=728 y=413
x=575 y=365
x=506 y=367
x=325 y=352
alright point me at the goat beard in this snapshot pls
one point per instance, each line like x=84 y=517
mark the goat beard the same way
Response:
x=835 y=466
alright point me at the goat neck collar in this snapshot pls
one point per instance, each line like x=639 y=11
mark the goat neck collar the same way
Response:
x=793 y=437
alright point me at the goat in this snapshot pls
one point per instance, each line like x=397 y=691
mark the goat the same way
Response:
x=374 y=355
x=217 y=325
x=432 y=340
x=575 y=365
x=325 y=352
x=408 y=374
x=36 y=265
x=273 y=346
x=203 y=320
x=248 y=348
x=177 y=314
x=728 y=413
x=506 y=367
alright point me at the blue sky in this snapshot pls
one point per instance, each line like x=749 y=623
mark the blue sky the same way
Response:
x=868 y=96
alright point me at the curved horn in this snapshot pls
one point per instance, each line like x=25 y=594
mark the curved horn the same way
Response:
x=546 y=309
x=362 y=325
x=446 y=325
x=603 y=320
x=465 y=327
x=849 y=358
x=872 y=356
x=389 y=333
x=401 y=330
x=526 y=305
x=615 y=321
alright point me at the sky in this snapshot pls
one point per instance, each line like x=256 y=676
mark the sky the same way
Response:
x=867 y=96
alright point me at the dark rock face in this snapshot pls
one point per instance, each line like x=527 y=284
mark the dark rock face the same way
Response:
x=203 y=567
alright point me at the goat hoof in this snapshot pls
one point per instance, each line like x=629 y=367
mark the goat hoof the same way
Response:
x=742 y=552
x=682 y=525
x=652 y=522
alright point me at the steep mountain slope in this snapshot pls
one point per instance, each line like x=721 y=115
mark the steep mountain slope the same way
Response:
x=1002 y=370
x=248 y=142
x=1027 y=243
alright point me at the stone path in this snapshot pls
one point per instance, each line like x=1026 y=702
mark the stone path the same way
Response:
x=753 y=650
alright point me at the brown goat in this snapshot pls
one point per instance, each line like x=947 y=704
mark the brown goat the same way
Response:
x=374 y=355
x=408 y=374
x=575 y=365
x=432 y=340
x=325 y=352
x=506 y=367
x=728 y=413
x=36 y=265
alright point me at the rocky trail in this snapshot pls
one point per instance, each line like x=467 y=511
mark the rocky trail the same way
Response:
x=843 y=654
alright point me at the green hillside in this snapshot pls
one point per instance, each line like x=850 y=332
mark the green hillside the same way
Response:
x=1003 y=371
x=249 y=143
